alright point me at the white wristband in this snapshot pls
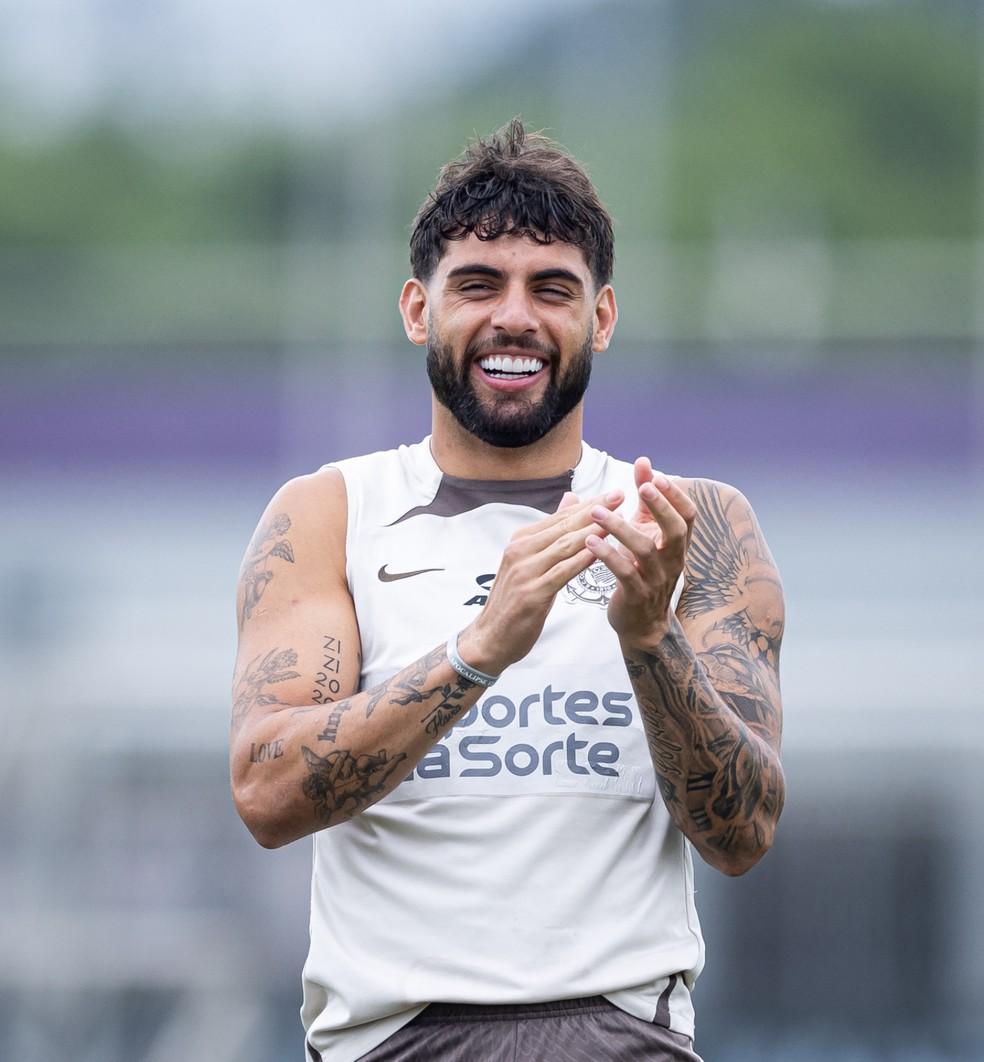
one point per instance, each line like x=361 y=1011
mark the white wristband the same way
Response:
x=464 y=670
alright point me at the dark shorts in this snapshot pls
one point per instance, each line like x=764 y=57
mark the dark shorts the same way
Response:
x=568 y=1030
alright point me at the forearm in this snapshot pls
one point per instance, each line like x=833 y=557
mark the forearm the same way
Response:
x=298 y=767
x=721 y=782
x=297 y=770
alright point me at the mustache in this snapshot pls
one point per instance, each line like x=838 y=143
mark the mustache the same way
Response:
x=502 y=340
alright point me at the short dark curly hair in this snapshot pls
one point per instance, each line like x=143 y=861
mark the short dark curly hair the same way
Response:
x=513 y=183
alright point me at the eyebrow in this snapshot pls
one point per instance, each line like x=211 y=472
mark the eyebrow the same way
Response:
x=472 y=270
x=477 y=269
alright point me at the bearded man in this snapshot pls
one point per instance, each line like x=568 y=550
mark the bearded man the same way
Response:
x=506 y=874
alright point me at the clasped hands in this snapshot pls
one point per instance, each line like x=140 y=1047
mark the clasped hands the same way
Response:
x=645 y=553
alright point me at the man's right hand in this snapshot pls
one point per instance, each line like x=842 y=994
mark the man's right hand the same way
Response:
x=539 y=560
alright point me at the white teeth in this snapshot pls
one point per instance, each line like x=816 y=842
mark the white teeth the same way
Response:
x=510 y=364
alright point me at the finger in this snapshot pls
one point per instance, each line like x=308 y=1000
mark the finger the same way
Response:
x=618 y=563
x=567 y=544
x=561 y=573
x=543 y=534
x=643 y=470
x=670 y=521
x=569 y=499
x=670 y=488
x=565 y=510
x=637 y=542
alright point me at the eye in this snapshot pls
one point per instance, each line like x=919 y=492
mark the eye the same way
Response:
x=554 y=293
x=476 y=286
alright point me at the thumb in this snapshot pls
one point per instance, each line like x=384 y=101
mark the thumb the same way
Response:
x=569 y=499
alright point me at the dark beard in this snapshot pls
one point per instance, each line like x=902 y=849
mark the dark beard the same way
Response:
x=512 y=422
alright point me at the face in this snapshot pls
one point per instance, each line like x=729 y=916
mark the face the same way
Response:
x=510 y=328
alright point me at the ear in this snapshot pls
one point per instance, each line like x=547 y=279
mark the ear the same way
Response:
x=605 y=316
x=413 y=310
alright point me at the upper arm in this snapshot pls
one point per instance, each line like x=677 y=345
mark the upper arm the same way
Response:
x=732 y=607
x=298 y=635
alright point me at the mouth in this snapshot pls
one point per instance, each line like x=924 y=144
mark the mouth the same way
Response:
x=511 y=372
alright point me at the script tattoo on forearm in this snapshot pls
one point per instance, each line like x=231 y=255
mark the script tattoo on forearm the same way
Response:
x=330 y=731
x=719 y=780
x=256 y=573
x=449 y=706
x=250 y=686
x=408 y=688
x=342 y=783
x=450 y=694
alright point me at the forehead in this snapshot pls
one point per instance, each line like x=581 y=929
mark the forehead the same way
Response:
x=512 y=254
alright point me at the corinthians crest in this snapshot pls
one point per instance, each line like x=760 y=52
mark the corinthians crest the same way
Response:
x=595 y=585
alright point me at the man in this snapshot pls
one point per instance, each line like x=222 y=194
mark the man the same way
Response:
x=504 y=873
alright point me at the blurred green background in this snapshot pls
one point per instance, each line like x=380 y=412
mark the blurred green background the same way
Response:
x=851 y=130
x=204 y=215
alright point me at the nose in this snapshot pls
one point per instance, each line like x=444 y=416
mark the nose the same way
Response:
x=513 y=311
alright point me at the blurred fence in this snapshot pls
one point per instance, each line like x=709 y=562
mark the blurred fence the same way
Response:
x=807 y=292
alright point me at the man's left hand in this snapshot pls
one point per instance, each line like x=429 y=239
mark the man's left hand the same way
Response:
x=648 y=558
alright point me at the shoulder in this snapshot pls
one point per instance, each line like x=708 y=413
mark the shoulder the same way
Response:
x=325 y=492
x=723 y=511
x=708 y=492
x=305 y=518
x=317 y=496
x=729 y=567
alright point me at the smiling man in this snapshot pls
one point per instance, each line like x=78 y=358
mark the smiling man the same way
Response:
x=505 y=680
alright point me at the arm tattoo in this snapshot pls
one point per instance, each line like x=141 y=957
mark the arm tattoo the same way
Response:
x=449 y=706
x=268 y=542
x=710 y=704
x=723 y=571
x=341 y=785
x=325 y=686
x=406 y=688
x=715 y=557
x=250 y=685
x=450 y=694
x=326 y=683
x=408 y=681
x=330 y=732
x=748 y=632
x=729 y=777
x=725 y=574
x=741 y=686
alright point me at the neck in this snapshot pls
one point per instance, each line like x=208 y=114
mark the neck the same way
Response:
x=459 y=453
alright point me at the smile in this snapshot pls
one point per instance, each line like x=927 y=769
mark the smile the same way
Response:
x=500 y=367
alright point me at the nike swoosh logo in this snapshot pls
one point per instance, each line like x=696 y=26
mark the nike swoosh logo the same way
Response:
x=391 y=577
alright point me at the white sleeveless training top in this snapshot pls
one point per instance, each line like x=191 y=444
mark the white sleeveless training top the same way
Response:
x=528 y=856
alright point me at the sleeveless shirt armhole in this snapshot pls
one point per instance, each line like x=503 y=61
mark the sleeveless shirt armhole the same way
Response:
x=351 y=514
